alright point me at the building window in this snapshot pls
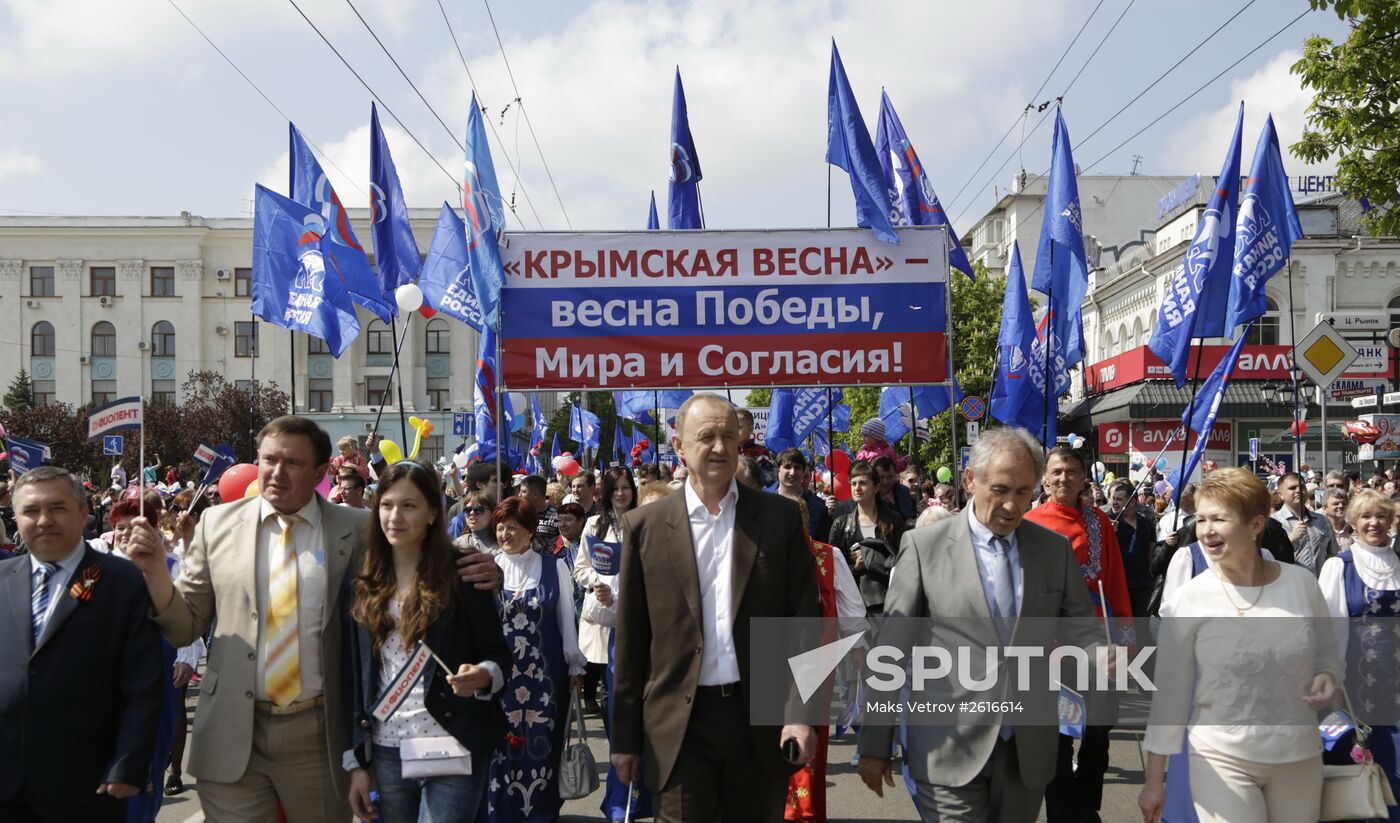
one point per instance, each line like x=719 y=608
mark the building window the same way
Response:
x=162 y=281
x=43 y=392
x=1394 y=307
x=41 y=340
x=1266 y=328
x=432 y=449
x=437 y=393
x=378 y=338
x=376 y=390
x=163 y=392
x=315 y=345
x=163 y=339
x=104 y=340
x=41 y=281
x=102 y=281
x=245 y=338
x=438 y=337
x=103 y=392
x=242 y=282
x=318 y=395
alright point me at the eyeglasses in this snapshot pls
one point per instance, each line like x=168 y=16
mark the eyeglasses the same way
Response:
x=474 y=509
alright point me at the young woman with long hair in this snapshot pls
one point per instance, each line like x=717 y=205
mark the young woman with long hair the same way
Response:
x=868 y=535
x=619 y=497
x=406 y=592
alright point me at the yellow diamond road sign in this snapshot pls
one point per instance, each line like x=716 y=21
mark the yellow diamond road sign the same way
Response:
x=1324 y=354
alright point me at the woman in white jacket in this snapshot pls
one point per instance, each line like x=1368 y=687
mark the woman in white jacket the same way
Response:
x=596 y=618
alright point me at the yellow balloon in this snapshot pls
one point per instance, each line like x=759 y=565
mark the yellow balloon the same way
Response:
x=254 y=489
x=390 y=451
x=415 y=422
x=1110 y=477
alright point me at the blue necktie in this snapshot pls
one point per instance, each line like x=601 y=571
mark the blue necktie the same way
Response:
x=39 y=601
x=1004 y=591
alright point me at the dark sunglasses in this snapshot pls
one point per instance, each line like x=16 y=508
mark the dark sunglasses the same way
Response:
x=474 y=509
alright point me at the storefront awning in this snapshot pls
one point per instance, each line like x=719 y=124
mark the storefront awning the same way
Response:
x=1162 y=400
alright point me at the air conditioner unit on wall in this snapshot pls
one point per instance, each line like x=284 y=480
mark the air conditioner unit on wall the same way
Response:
x=141 y=345
x=223 y=274
x=221 y=330
x=83 y=359
x=106 y=301
x=31 y=304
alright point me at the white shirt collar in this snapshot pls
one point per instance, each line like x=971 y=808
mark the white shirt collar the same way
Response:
x=310 y=513
x=981 y=535
x=693 y=501
x=67 y=564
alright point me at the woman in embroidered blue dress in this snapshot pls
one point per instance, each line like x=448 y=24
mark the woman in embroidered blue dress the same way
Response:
x=1363 y=584
x=546 y=664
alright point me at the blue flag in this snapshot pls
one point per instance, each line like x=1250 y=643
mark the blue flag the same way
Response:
x=1197 y=297
x=25 y=454
x=841 y=418
x=911 y=195
x=928 y=401
x=295 y=284
x=640 y=403
x=484 y=404
x=1266 y=229
x=653 y=222
x=312 y=188
x=811 y=408
x=684 y=208
x=848 y=147
x=1200 y=416
x=583 y=427
x=618 y=454
x=395 y=250
x=1017 y=398
x=446 y=283
x=1061 y=271
x=481 y=198
x=778 y=435
x=537 y=417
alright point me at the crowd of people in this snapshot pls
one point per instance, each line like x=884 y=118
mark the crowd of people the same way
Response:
x=418 y=646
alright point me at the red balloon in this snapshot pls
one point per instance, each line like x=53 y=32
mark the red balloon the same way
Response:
x=841 y=486
x=569 y=468
x=1299 y=428
x=234 y=482
x=840 y=464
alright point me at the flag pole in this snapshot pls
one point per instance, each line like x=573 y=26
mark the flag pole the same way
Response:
x=499 y=379
x=292 y=362
x=996 y=366
x=1190 y=413
x=830 y=437
x=656 y=447
x=403 y=415
x=141 y=435
x=1049 y=339
x=952 y=381
x=393 y=370
x=913 y=424
x=1293 y=373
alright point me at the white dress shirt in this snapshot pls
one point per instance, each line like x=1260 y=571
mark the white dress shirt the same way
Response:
x=309 y=544
x=713 y=535
x=989 y=564
x=58 y=582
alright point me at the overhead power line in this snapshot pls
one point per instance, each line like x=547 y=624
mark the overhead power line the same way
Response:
x=261 y=94
x=524 y=111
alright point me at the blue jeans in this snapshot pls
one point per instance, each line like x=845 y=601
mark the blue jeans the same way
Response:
x=426 y=800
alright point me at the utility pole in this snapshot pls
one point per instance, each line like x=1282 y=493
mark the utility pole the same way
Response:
x=1137 y=159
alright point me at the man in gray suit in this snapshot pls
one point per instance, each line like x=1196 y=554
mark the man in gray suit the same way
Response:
x=987 y=567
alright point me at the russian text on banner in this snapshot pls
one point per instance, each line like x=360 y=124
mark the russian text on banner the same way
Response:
x=118 y=415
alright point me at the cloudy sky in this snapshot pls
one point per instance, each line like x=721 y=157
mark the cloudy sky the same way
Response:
x=122 y=108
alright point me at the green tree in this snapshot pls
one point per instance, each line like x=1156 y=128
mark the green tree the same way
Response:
x=20 y=397
x=1355 y=112
x=976 y=321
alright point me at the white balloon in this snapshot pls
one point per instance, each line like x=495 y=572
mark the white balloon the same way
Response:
x=460 y=459
x=409 y=297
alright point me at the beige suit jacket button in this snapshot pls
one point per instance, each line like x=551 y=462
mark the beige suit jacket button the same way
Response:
x=248 y=695
x=687 y=698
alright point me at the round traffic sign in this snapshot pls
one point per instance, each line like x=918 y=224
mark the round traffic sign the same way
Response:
x=972 y=407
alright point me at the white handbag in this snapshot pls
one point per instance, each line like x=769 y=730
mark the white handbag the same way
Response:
x=1359 y=791
x=434 y=757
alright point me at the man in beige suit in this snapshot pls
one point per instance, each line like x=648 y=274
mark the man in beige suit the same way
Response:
x=270 y=729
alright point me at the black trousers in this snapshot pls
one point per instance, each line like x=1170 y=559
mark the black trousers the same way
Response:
x=1075 y=794
x=717 y=777
x=25 y=807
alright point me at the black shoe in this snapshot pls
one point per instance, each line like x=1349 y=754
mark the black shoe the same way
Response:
x=591 y=708
x=174 y=785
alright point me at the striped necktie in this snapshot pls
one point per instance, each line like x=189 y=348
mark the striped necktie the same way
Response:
x=39 y=600
x=282 y=669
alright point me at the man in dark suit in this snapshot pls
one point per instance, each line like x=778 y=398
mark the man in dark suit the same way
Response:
x=78 y=722
x=696 y=568
x=988 y=563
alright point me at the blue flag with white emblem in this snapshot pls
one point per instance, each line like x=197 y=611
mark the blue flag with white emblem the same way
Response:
x=911 y=195
x=485 y=211
x=1198 y=295
x=395 y=250
x=1266 y=229
x=294 y=285
x=848 y=147
x=1017 y=398
x=684 y=208
x=446 y=280
x=653 y=222
x=484 y=400
x=583 y=427
x=901 y=407
x=343 y=253
x=1061 y=270
x=1199 y=417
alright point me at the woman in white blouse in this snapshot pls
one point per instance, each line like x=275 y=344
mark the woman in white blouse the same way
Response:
x=537 y=616
x=1243 y=692
x=1362 y=585
x=596 y=616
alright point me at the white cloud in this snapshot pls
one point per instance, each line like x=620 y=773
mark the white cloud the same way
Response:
x=1199 y=144
x=14 y=162
x=423 y=182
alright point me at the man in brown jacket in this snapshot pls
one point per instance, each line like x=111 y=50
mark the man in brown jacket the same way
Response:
x=696 y=568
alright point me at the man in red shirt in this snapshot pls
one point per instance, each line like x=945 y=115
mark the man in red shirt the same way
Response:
x=1076 y=793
